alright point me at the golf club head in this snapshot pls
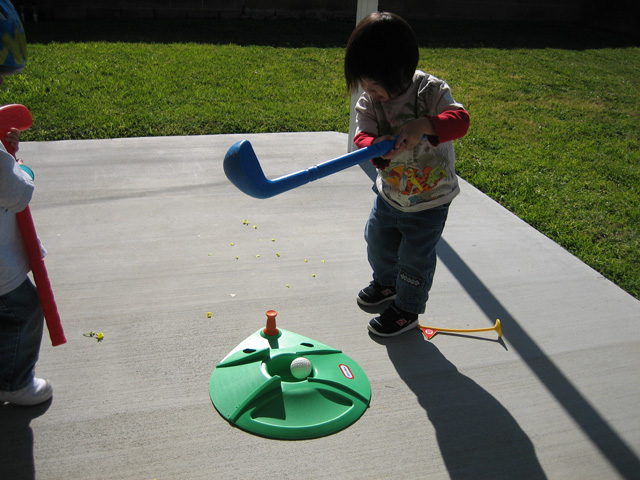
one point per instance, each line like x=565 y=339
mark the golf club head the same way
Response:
x=242 y=168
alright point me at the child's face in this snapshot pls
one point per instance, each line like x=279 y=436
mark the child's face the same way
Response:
x=375 y=90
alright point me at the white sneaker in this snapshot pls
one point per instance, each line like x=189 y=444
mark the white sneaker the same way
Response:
x=38 y=391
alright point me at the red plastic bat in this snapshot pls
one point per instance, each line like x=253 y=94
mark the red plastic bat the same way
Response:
x=18 y=116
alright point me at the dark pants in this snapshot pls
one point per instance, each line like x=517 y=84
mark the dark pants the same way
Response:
x=401 y=247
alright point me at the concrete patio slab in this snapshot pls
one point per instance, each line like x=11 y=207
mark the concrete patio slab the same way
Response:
x=146 y=236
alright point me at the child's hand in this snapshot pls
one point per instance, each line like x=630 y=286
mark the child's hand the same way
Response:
x=13 y=137
x=391 y=153
x=410 y=135
x=412 y=132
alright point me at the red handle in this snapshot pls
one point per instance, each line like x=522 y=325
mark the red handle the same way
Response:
x=13 y=116
x=41 y=278
x=18 y=116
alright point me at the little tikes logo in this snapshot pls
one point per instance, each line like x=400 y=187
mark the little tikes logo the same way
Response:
x=346 y=371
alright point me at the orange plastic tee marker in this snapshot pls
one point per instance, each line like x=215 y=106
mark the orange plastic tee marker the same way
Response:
x=271 y=330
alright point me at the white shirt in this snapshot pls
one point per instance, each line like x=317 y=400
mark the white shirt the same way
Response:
x=424 y=177
x=16 y=188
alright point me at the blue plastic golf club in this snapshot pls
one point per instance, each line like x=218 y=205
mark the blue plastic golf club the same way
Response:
x=242 y=168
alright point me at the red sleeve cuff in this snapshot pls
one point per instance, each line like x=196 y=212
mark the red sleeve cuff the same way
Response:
x=363 y=139
x=450 y=125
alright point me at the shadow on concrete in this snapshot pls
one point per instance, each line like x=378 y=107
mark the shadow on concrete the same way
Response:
x=499 y=340
x=477 y=436
x=610 y=444
x=16 y=440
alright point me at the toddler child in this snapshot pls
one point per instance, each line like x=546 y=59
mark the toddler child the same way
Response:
x=21 y=317
x=416 y=180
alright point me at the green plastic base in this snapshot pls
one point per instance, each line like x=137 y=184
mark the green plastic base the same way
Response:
x=253 y=388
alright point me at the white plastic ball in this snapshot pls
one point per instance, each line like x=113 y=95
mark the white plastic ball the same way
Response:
x=301 y=368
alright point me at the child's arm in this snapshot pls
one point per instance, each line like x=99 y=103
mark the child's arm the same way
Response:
x=364 y=139
x=16 y=187
x=449 y=125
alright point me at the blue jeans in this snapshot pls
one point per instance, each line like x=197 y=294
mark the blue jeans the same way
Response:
x=401 y=247
x=21 y=326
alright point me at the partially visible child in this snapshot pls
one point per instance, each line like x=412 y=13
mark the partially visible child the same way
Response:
x=21 y=317
x=416 y=180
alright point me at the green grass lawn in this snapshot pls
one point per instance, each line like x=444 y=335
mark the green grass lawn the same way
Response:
x=555 y=134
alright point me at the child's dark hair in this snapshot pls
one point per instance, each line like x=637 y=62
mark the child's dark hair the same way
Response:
x=383 y=49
